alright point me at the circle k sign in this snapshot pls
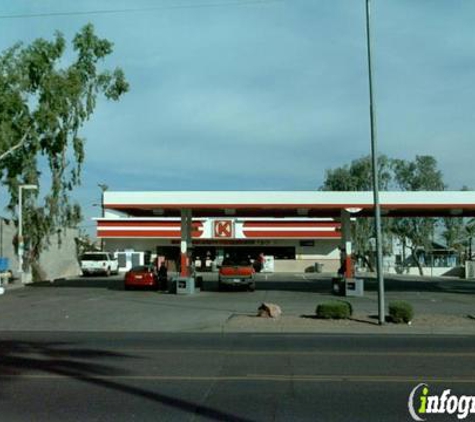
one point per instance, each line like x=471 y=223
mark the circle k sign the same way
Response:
x=223 y=229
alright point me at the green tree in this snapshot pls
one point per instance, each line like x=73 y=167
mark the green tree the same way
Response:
x=418 y=175
x=416 y=233
x=357 y=177
x=43 y=105
x=454 y=233
x=470 y=235
x=459 y=233
x=465 y=240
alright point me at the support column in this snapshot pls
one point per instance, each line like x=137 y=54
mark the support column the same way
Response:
x=346 y=244
x=186 y=243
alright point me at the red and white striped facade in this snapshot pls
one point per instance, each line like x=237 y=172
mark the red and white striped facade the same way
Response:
x=310 y=224
x=220 y=228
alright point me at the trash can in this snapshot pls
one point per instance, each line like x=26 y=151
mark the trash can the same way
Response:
x=318 y=267
x=338 y=286
x=185 y=285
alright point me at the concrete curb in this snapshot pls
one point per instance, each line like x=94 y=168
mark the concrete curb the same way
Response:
x=293 y=325
x=436 y=331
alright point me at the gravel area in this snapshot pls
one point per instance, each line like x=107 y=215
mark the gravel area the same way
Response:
x=359 y=323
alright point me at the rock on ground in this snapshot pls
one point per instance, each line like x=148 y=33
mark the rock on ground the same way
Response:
x=269 y=310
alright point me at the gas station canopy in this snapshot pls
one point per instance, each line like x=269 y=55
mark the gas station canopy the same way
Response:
x=290 y=203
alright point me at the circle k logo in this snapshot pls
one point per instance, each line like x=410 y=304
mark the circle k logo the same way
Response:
x=223 y=229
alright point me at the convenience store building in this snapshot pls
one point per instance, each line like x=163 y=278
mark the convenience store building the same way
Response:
x=294 y=230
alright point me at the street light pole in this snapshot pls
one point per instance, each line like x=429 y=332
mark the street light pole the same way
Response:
x=374 y=157
x=21 y=245
x=103 y=188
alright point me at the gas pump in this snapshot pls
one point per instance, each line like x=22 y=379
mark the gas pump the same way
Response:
x=185 y=282
x=349 y=266
x=347 y=284
x=353 y=286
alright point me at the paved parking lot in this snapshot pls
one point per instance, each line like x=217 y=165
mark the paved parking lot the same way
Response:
x=99 y=304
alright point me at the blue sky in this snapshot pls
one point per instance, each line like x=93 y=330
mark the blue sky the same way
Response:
x=267 y=95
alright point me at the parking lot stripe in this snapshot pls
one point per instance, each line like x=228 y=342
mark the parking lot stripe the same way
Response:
x=251 y=377
x=299 y=353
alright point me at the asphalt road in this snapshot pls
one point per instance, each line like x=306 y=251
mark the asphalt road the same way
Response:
x=101 y=376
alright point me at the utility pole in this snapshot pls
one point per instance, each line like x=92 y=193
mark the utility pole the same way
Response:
x=103 y=188
x=374 y=157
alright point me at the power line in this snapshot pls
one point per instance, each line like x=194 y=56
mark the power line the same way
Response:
x=232 y=3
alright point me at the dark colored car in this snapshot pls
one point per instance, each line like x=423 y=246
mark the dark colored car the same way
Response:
x=141 y=276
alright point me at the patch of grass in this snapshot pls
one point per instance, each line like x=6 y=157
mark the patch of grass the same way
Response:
x=400 y=311
x=334 y=309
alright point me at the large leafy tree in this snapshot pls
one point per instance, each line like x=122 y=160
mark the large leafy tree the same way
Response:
x=459 y=233
x=420 y=174
x=454 y=234
x=416 y=233
x=357 y=177
x=46 y=97
x=468 y=236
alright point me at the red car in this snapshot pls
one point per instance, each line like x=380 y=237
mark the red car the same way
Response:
x=141 y=276
x=234 y=273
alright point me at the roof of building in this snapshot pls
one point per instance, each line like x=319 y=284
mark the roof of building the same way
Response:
x=290 y=203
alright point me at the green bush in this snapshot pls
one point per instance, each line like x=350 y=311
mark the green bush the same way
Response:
x=334 y=309
x=400 y=311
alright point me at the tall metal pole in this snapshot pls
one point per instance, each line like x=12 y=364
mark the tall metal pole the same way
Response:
x=374 y=157
x=102 y=216
x=103 y=188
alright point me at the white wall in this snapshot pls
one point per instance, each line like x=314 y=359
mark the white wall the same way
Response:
x=56 y=261
x=469 y=269
x=305 y=265
x=8 y=232
x=59 y=260
x=427 y=271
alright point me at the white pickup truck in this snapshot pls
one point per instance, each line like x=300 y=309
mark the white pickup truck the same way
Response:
x=99 y=263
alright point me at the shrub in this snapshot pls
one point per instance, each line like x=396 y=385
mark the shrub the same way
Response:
x=400 y=311
x=334 y=309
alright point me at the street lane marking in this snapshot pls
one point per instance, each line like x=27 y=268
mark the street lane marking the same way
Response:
x=360 y=336
x=360 y=353
x=251 y=377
